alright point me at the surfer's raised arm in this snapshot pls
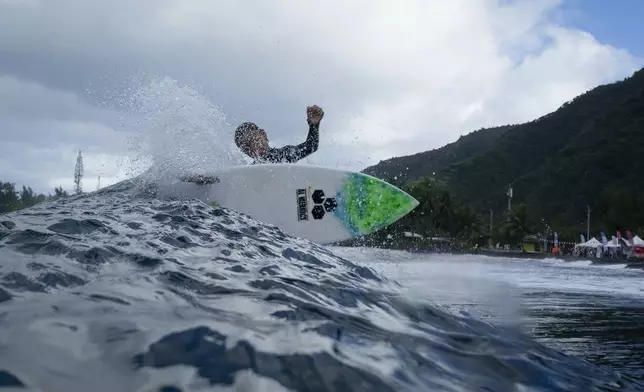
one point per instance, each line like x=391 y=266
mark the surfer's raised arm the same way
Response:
x=253 y=141
x=291 y=154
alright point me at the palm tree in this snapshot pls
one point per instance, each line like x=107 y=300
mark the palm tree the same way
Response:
x=517 y=223
x=465 y=222
x=421 y=217
x=444 y=210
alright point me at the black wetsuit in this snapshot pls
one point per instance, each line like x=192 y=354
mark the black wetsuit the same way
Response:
x=292 y=154
x=286 y=154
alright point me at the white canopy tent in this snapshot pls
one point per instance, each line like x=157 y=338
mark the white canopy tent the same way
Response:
x=591 y=243
x=637 y=241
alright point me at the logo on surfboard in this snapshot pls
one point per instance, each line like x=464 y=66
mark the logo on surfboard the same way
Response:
x=302 y=205
x=322 y=204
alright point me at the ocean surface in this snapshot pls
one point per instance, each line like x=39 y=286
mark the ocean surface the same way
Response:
x=119 y=290
x=594 y=312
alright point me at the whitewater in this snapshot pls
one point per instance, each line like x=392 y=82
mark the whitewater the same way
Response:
x=122 y=290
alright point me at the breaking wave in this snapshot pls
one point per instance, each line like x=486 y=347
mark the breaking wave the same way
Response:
x=119 y=290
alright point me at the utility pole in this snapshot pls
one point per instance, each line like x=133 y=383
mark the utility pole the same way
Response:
x=509 y=197
x=491 y=219
x=588 y=222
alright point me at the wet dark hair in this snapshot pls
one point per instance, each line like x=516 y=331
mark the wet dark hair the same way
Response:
x=240 y=135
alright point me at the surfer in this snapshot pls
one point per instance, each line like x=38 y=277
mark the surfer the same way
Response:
x=253 y=141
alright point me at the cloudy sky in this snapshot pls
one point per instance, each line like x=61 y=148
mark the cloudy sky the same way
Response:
x=131 y=82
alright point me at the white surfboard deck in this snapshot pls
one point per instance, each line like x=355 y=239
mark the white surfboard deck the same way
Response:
x=321 y=204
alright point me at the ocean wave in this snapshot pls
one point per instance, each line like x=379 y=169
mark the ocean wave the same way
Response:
x=121 y=291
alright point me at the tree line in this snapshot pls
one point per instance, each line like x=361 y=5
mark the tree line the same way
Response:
x=13 y=199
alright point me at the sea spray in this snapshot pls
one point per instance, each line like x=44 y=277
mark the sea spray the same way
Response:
x=175 y=130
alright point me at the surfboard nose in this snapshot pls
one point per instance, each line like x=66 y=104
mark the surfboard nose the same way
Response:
x=367 y=204
x=414 y=203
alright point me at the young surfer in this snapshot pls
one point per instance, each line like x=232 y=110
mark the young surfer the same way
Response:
x=253 y=141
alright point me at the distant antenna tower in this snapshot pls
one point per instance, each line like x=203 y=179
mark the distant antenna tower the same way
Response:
x=98 y=183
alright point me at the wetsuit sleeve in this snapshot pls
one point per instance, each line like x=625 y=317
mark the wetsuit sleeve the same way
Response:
x=293 y=154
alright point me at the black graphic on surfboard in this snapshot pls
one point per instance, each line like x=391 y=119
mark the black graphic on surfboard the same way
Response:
x=322 y=204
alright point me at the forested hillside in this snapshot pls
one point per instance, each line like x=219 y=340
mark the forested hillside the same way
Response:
x=588 y=152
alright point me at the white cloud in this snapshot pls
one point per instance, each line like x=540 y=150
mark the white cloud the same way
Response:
x=42 y=130
x=393 y=77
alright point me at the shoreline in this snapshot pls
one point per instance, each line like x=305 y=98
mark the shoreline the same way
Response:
x=566 y=258
x=516 y=254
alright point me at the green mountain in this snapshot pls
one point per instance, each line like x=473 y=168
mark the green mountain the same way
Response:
x=588 y=152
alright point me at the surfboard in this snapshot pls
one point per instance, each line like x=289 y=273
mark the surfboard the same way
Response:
x=321 y=204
